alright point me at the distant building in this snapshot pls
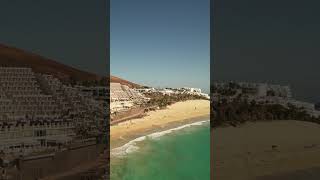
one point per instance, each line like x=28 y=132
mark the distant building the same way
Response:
x=146 y=90
x=256 y=89
x=192 y=90
x=167 y=91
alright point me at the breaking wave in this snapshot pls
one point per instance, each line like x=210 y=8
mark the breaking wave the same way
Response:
x=132 y=146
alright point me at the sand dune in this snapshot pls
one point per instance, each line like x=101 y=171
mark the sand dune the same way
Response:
x=177 y=113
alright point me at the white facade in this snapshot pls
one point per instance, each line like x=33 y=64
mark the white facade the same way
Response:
x=38 y=112
x=122 y=97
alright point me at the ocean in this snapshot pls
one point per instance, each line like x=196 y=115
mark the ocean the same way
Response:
x=181 y=153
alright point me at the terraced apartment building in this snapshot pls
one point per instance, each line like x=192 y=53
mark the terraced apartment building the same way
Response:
x=123 y=98
x=38 y=112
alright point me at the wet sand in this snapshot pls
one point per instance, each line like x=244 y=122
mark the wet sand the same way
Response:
x=174 y=115
x=266 y=150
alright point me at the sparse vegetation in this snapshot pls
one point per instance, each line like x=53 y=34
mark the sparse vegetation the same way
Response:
x=162 y=101
x=240 y=111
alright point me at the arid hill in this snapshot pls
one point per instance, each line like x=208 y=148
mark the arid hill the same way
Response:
x=124 y=82
x=14 y=57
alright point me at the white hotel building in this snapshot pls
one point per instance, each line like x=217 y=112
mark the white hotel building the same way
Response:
x=123 y=98
x=37 y=111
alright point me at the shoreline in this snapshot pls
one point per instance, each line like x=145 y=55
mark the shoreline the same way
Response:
x=131 y=146
x=176 y=115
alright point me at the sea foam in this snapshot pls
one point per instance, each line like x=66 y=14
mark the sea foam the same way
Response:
x=132 y=146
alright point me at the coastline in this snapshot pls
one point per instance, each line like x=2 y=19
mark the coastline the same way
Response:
x=132 y=146
x=147 y=156
x=174 y=116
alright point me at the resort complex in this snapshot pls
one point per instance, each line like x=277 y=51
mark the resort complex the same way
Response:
x=123 y=98
x=236 y=100
x=126 y=102
x=39 y=115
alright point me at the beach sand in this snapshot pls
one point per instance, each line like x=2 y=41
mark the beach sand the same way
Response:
x=266 y=150
x=178 y=113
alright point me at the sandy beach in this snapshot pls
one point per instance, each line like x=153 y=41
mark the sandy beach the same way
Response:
x=178 y=113
x=266 y=150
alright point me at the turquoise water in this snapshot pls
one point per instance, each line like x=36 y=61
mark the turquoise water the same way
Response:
x=181 y=155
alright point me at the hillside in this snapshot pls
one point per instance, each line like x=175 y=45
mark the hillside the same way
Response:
x=14 y=57
x=124 y=82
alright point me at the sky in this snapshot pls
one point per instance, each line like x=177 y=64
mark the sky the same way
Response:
x=72 y=32
x=275 y=41
x=161 y=43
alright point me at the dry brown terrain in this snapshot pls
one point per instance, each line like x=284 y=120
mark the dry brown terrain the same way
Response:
x=124 y=82
x=265 y=148
x=15 y=57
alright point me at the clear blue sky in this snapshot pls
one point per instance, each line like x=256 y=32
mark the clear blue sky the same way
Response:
x=161 y=42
